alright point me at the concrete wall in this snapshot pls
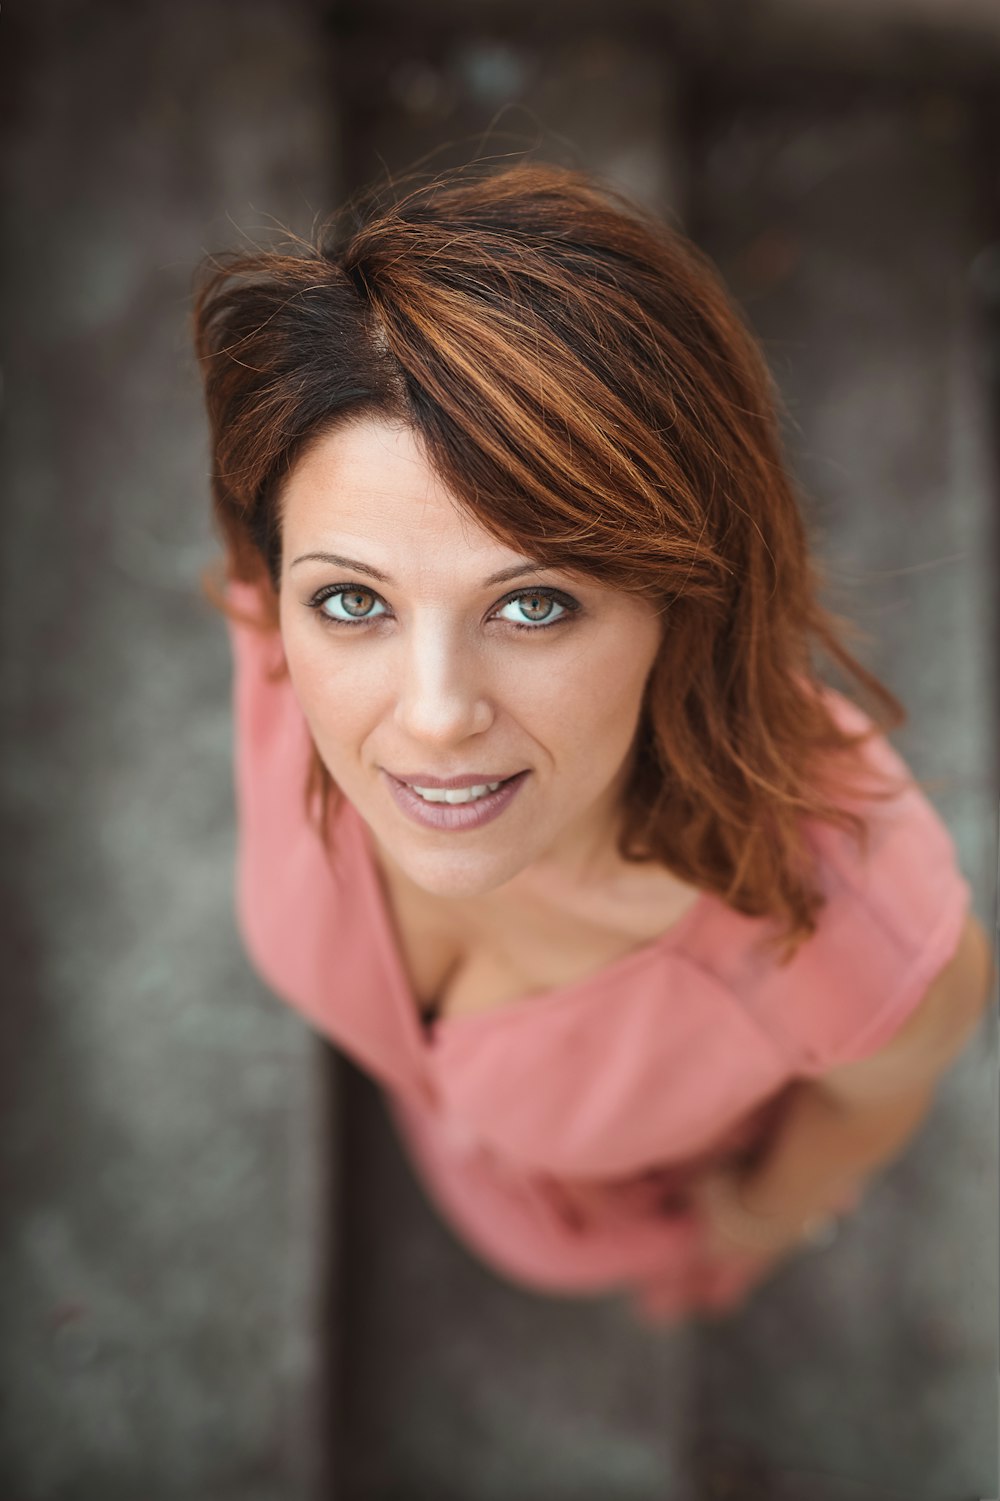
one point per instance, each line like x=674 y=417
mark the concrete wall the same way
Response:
x=169 y=1145
x=163 y=1145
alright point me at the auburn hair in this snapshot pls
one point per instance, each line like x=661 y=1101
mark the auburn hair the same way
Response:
x=583 y=384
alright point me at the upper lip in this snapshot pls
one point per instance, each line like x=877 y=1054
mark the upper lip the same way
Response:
x=474 y=779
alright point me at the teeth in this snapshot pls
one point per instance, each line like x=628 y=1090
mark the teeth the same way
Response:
x=455 y=794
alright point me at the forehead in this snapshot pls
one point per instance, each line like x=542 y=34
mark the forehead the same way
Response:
x=370 y=481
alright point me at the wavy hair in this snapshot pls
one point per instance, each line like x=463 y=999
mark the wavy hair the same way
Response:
x=585 y=387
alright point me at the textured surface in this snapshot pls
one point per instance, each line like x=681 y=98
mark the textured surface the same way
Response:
x=847 y=230
x=455 y=1384
x=848 y=233
x=162 y=1141
x=167 y=1152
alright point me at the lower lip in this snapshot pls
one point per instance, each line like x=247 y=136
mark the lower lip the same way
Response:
x=455 y=816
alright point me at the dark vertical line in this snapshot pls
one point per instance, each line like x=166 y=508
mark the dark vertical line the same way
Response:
x=985 y=292
x=329 y=1402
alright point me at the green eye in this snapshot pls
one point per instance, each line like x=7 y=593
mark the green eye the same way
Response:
x=530 y=609
x=535 y=609
x=355 y=605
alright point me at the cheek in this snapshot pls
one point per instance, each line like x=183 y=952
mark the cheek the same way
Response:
x=609 y=683
x=592 y=712
x=336 y=696
x=582 y=707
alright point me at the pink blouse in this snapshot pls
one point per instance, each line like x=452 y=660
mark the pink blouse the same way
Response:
x=629 y=1080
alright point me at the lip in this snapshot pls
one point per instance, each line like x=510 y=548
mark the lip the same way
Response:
x=454 y=817
x=424 y=779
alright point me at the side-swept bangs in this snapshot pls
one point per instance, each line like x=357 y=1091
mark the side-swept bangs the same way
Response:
x=584 y=386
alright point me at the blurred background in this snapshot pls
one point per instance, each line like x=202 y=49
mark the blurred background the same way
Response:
x=219 y=1280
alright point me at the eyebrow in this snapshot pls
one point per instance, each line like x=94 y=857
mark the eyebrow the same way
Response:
x=518 y=570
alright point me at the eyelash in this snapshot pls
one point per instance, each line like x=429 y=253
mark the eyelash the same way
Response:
x=319 y=599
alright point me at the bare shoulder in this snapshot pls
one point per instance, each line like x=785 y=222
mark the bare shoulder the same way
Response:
x=933 y=1034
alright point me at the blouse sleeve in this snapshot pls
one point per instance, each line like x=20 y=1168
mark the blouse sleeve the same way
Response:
x=257 y=658
x=270 y=758
x=893 y=918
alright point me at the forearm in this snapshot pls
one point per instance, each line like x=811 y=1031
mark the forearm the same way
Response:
x=837 y=1131
x=821 y=1148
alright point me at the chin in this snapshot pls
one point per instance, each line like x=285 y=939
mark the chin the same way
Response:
x=456 y=875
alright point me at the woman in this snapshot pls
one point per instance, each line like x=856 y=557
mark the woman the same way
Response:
x=547 y=815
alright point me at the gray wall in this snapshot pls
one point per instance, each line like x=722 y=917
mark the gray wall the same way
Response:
x=176 y=1249
x=163 y=1144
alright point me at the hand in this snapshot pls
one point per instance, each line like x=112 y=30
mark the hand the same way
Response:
x=734 y=1225
x=727 y=1267
x=735 y=1231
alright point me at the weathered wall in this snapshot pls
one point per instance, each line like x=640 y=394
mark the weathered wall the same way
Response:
x=163 y=1145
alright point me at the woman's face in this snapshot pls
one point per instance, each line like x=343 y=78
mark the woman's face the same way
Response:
x=413 y=663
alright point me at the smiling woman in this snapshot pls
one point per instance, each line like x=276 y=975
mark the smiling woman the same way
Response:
x=435 y=686
x=532 y=733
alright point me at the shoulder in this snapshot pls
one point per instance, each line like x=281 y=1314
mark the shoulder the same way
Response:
x=272 y=748
x=265 y=716
x=905 y=876
x=254 y=641
x=932 y=1034
x=896 y=915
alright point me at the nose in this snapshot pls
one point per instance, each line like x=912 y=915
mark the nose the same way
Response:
x=442 y=696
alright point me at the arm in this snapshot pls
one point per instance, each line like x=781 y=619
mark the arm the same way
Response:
x=855 y=1119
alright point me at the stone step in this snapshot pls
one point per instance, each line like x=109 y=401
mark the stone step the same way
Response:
x=846 y=231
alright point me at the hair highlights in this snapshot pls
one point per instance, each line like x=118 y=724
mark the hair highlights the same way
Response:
x=583 y=384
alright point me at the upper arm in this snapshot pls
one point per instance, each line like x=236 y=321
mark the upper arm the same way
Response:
x=932 y=1035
